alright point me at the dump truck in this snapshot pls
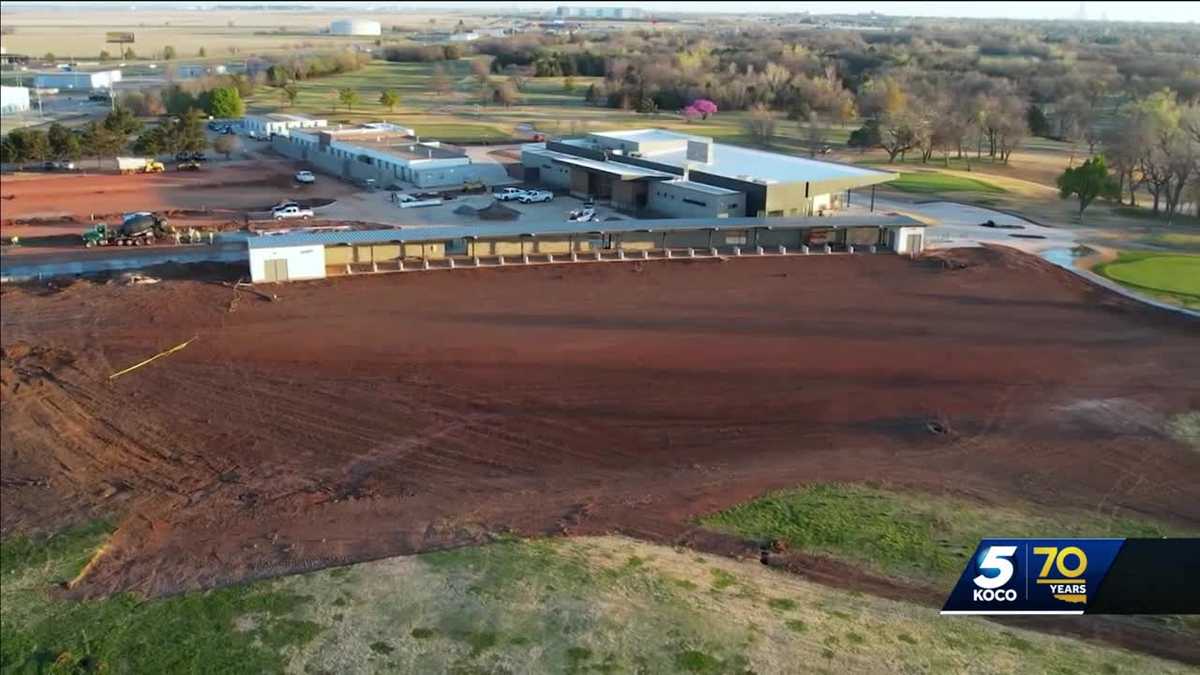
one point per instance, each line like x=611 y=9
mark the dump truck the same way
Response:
x=137 y=229
x=139 y=165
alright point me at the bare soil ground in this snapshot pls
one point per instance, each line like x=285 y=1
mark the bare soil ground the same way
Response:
x=45 y=205
x=361 y=418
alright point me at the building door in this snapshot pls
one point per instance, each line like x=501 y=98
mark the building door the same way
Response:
x=912 y=244
x=275 y=269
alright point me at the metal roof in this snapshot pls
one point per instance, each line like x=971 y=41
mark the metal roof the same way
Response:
x=510 y=230
x=760 y=166
x=625 y=171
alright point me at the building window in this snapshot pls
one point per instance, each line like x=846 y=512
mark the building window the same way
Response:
x=694 y=202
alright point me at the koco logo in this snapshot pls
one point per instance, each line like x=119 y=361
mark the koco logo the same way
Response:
x=995 y=570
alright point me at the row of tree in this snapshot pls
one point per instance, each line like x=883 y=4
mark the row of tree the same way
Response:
x=1154 y=144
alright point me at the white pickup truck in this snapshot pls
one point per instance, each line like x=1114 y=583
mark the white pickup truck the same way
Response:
x=291 y=211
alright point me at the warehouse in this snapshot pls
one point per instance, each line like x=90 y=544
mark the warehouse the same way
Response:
x=355 y=27
x=625 y=166
x=14 y=99
x=317 y=254
x=280 y=123
x=77 y=81
x=383 y=152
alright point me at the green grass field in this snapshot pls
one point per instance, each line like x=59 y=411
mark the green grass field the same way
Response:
x=598 y=605
x=932 y=182
x=926 y=538
x=1170 y=276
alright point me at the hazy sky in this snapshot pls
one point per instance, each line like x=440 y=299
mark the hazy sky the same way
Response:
x=1130 y=10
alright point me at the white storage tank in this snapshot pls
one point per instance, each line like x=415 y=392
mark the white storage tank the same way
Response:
x=355 y=27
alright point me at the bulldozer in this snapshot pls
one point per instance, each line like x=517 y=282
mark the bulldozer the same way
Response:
x=136 y=229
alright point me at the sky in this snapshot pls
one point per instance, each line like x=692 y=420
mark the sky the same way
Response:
x=1129 y=10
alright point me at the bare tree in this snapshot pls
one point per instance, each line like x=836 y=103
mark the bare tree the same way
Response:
x=816 y=134
x=760 y=124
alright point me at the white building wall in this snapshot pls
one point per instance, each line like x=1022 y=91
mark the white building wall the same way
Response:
x=900 y=239
x=14 y=99
x=355 y=27
x=303 y=262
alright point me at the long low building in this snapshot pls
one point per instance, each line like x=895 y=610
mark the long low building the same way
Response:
x=664 y=173
x=383 y=152
x=321 y=253
x=280 y=123
x=75 y=80
x=14 y=99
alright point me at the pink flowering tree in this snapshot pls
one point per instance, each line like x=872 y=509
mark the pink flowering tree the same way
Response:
x=690 y=113
x=705 y=107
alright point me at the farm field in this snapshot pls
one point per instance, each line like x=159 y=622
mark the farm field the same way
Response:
x=548 y=605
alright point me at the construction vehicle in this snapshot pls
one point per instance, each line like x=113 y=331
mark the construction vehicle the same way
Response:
x=473 y=186
x=137 y=229
x=139 y=165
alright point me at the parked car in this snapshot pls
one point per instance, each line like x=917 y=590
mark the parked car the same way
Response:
x=536 y=196
x=284 y=204
x=292 y=211
x=63 y=165
x=508 y=194
x=189 y=165
x=199 y=157
x=305 y=177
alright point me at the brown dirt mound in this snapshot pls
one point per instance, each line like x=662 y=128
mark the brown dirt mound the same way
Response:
x=367 y=417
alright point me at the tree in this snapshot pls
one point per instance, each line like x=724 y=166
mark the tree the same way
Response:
x=760 y=124
x=389 y=99
x=29 y=145
x=690 y=114
x=1039 y=124
x=225 y=102
x=348 y=97
x=9 y=153
x=815 y=134
x=1087 y=182
x=506 y=94
x=899 y=133
x=569 y=84
x=866 y=136
x=129 y=54
x=122 y=122
x=289 y=92
x=104 y=55
x=64 y=144
x=98 y=140
x=202 y=52
x=227 y=144
x=705 y=107
x=439 y=82
x=168 y=53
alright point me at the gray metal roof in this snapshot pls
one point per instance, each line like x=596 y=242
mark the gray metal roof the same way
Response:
x=509 y=230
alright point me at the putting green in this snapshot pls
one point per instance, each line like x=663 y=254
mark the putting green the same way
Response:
x=1171 y=273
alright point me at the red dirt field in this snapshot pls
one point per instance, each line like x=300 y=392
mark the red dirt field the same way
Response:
x=368 y=417
x=50 y=204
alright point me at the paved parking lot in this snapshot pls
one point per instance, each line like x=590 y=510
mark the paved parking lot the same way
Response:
x=377 y=207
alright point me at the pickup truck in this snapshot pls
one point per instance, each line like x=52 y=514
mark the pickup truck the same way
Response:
x=410 y=201
x=508 y=194
x=533 y=196
x=291 y=211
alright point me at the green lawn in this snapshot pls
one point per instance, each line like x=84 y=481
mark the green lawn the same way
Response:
x=1143 y=213
x=922 y=537
x=932 y=182
x=1168 y=275
x=578 y=605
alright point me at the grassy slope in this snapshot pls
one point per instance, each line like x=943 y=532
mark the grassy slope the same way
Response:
x=594 y=604
x=1169 y=276
x=929 y=182
x=921 y=537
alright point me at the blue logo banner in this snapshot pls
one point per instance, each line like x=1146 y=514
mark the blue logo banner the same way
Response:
x=1032 y=576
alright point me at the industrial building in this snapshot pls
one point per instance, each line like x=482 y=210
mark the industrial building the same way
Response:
x=355 y=27
x=280 y=123
x=191 y=71
x=14 y=99
x=383 y=152
x=619 y=13
x=664 y=173
x=75 y=80
x=321 y=253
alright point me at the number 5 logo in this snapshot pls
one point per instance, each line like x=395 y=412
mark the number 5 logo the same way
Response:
x=996 y=567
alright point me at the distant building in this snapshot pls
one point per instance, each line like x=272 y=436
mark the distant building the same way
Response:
x=618 y=13
x=355 y=27
x=192 y=70
x=14 y=99
x=280 y=123
x=464 y=37
x=77 y=81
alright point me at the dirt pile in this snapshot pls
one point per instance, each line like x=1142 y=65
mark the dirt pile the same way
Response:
x=366 y=417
